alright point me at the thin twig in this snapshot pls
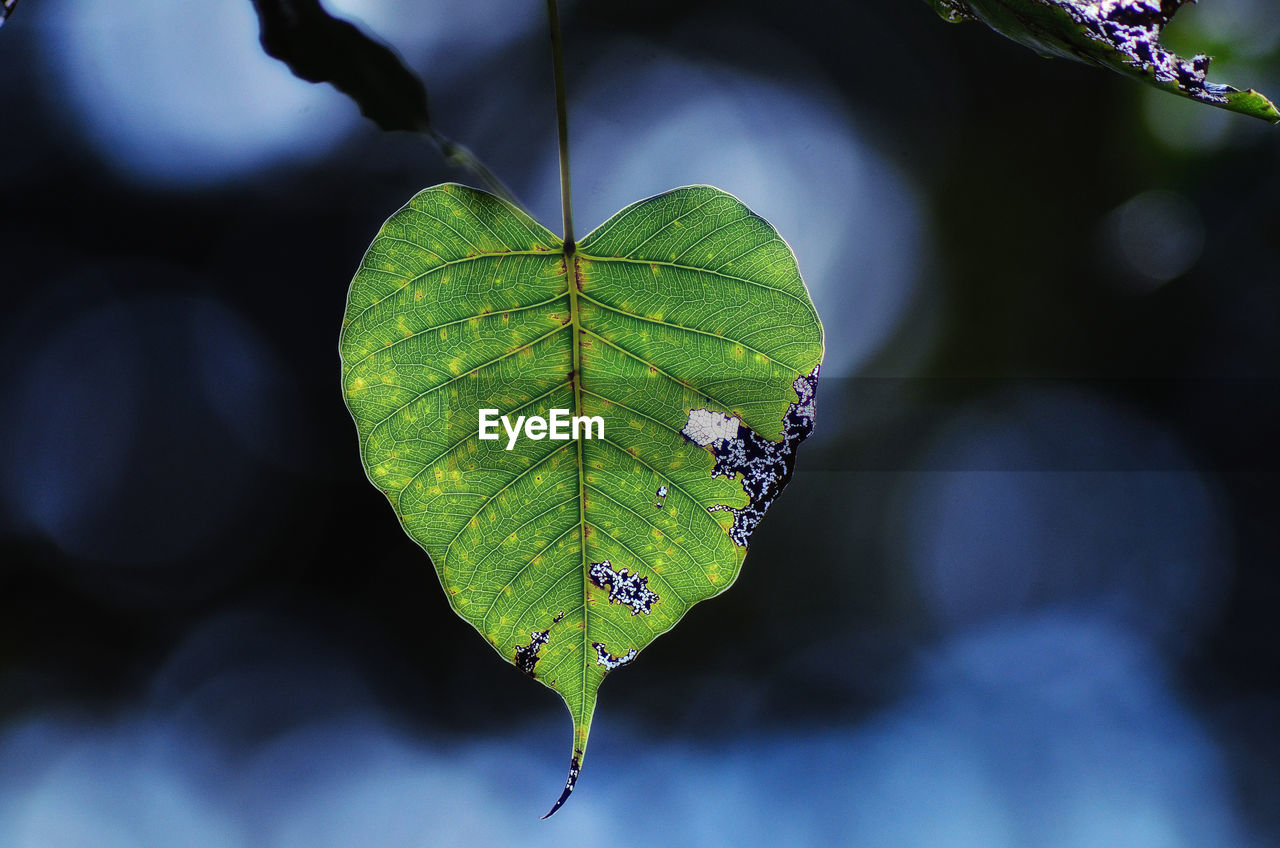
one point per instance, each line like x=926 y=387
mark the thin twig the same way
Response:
x=562 y=120
x=459 y=156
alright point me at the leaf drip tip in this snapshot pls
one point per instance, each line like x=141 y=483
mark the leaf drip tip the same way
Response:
x=575 y=766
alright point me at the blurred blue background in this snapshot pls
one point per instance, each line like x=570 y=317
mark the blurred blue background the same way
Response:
x=1023 y=590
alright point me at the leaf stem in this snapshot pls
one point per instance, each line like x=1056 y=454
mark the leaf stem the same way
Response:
x=458 y=156
x=562 y=121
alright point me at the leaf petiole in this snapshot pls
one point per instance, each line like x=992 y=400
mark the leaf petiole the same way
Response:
x=562 y=124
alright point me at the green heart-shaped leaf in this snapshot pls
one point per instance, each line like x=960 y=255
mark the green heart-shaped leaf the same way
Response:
x=682 y=323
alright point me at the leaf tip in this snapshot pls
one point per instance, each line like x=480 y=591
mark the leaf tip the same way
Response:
x=575 y=766
x=1267 y=110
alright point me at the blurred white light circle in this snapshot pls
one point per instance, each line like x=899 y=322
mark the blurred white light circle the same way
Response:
x=182 y=92
x=111 y=788
x=1048 y=498
x=1057 y=729
x=1158 y=235
x=74 y=427
x=790 y=152
x=453 y=38
x=110 y=452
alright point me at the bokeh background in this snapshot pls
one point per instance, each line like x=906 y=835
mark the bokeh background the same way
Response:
x=1023 y=590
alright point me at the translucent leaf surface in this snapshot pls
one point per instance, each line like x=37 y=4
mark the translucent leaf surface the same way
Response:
x=1123 y=35
x=682 y=323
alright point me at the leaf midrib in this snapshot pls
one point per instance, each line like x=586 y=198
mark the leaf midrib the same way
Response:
x=572 y=274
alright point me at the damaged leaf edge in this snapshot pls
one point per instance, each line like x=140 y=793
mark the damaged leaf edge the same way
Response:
x=1249 y=102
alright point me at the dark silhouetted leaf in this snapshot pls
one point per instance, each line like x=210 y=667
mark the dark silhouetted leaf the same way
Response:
x=321 y=48
x=1123 y=35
